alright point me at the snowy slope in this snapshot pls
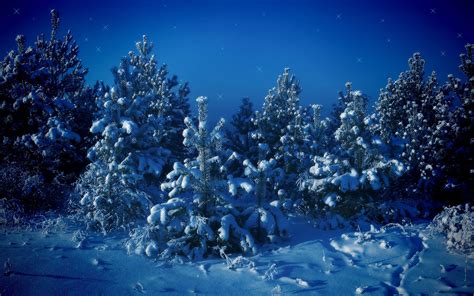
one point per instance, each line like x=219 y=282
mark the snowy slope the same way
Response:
x=391 y=260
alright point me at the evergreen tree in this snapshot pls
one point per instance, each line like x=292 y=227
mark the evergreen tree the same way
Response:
x=263 y=217
x=414 y=118
x=455 y=133
x=280 y=125
x=334 y=121
x=188 y=221
x=139 y=75
x=87 y=109
x=134 y=125
x=280 y=109
x=40 y=88
x=316 y=132
x=240 y=137
x=352 y=133
x=357 y=171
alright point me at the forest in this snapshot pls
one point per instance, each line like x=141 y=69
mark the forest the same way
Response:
x=132 y=158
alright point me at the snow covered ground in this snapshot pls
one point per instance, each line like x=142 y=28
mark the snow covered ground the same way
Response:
x=385 y=261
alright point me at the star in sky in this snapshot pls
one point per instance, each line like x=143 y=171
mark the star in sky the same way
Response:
x=220 y=96
x=359 y=60
x=433 y=10
x=98 y=49
x=389 y=40
x=443 y=53
x=105 y=27
x=459 y=35
x=16 y=11
x=86 y=39
x=339 y=16
x=259 y=69
x=382 y=20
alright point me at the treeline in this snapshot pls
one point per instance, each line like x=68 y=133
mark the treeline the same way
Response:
x=114 y=156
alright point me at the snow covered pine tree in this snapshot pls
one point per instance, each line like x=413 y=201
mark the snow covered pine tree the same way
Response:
x=240 y=138
x=40 y=88
x=280 y=126
x=263 y=216
x=135 y=117
x=458 y=158
x=415 y=119
x=350 y=178
x=188 y=221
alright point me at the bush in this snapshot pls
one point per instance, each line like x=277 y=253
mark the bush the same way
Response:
x=457 y=224
x=29 y=189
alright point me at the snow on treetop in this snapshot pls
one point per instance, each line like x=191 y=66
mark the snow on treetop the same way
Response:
x=201 y=100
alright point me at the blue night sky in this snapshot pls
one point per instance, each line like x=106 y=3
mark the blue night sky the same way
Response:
x=230 y=49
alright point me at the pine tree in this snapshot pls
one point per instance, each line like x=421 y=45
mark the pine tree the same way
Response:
x=264 y=217
x=357 y=171
x=279 y=110
x=40 y=88
x=351 y=134
x=334 y=121
x=240 y=137
x=188 y=220
x=316 y=132
x=139 y=75
x=134 y=125
x=280 y=125
x=455 y=132
x=413 y=117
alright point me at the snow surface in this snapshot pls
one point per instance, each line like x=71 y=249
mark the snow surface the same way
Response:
x=390 y=260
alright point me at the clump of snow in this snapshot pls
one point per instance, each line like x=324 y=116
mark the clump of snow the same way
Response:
x=331 y=200
x=276 y=291
x=239 y=262
x=347 y=181
x=271 y=272
x=302 y=283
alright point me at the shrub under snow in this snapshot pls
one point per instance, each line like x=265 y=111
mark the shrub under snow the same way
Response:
x=457 y=223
